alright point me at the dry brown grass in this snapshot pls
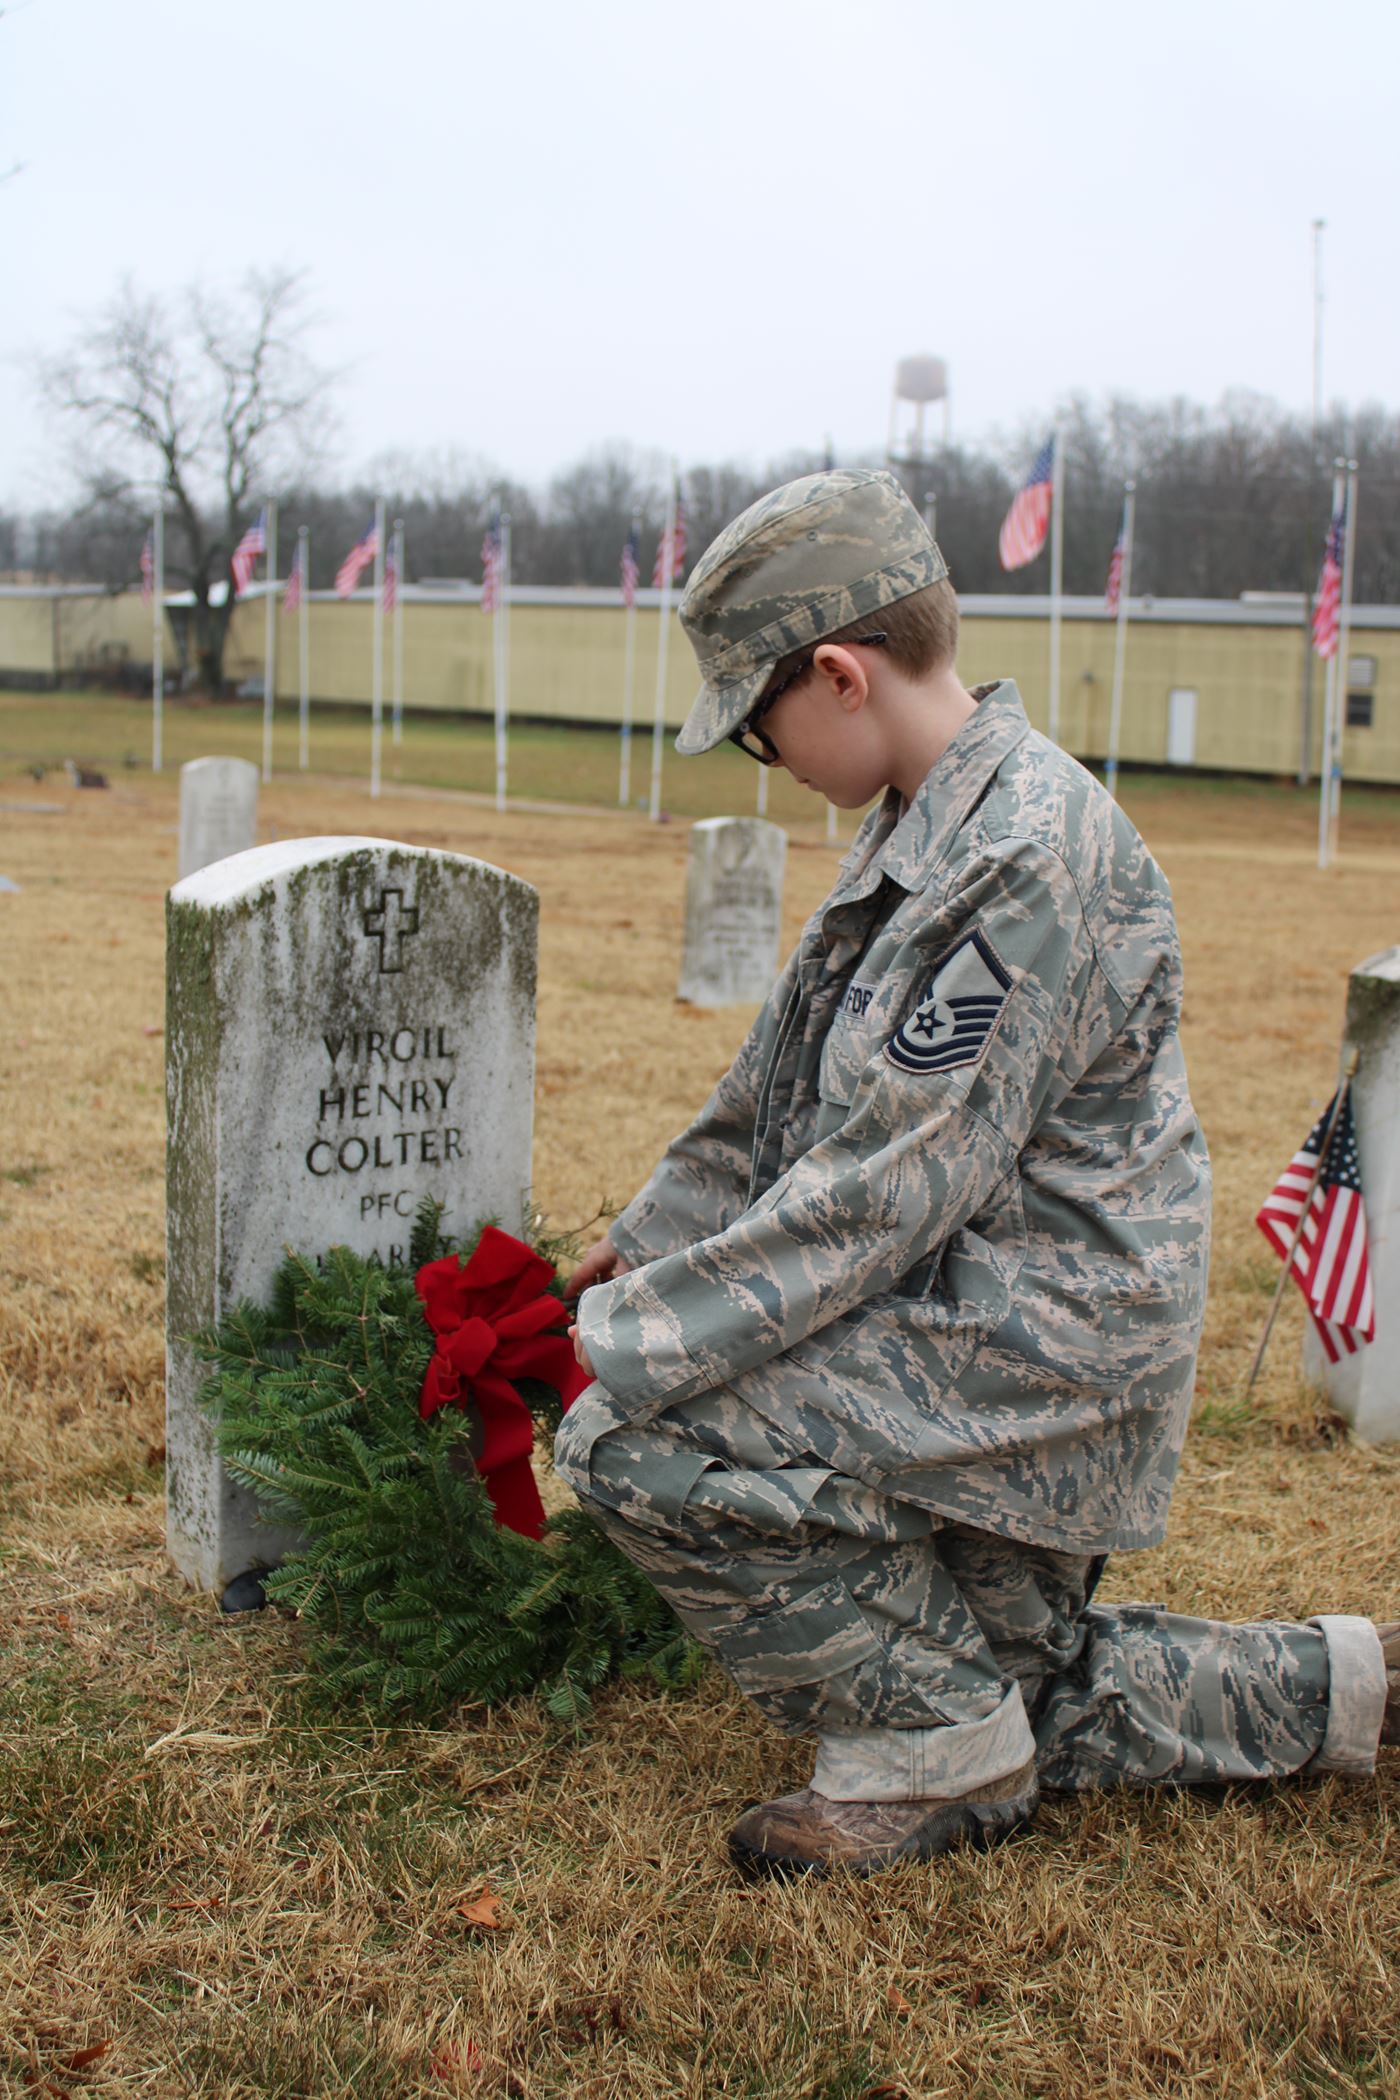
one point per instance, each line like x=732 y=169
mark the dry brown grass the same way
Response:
x=243 y=1896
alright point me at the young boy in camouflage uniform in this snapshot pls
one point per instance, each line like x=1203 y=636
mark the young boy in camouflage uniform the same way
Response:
x=898 y=1341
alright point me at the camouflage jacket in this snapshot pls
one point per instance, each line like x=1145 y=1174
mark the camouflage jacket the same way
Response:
x=947 y=1215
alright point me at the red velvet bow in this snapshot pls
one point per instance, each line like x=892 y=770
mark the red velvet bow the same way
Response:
x=496 y=1323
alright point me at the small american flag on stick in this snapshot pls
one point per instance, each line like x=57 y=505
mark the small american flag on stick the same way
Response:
x=1327 y=610
x=148 y=567
x=295 y=584
x=491 y=565
x=357 y=561
x=630 y=570
x=1315 y=1219
x=1025 y=525
x=246 y=554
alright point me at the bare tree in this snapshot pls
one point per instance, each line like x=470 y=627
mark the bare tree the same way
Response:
x=197 y=403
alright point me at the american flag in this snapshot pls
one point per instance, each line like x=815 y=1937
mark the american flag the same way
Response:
x=357 y=561
x=1115 y=575
x=291 y=594
x=491 y=565
x=1024 y=527
x=391 y=579
x=245 y=554
x=148 y=567
x=676 y=543
x=630 y=571
x=1330 y=1264
x=1327 y=611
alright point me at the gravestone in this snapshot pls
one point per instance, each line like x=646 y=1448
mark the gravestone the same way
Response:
x=733 y=910
x=1365 y=1387
x=350 y=1028
x=218 y=811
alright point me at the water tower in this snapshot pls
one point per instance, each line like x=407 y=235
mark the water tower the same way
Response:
x=918 y=382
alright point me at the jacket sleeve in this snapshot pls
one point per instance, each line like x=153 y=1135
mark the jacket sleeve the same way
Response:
x=701 y=1183
x=919 y=1153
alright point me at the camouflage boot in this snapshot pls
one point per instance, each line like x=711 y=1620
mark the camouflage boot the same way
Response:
x=1390 y=1649
x=807 y=1833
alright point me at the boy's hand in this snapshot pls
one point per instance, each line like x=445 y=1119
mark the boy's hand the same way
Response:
x=601 y=1263
x=580 y=1352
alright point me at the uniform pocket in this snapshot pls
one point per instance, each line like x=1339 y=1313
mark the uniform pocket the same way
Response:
x=816 y=1635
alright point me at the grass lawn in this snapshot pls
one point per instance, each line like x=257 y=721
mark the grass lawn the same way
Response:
x=210 y=1886
x=547 y=762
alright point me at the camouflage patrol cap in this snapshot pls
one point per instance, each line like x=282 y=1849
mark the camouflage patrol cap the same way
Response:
x=802 y=562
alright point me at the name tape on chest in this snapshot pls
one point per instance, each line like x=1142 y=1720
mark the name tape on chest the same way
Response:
x=953 y=1022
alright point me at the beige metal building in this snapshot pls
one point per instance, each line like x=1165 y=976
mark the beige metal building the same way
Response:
x=1208 y=682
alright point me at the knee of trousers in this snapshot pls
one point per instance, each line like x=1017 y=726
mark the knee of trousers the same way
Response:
x=622 y=1469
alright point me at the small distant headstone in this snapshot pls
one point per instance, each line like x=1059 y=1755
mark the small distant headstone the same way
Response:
x=1364 y=1387
x=83 y=776
x=218 y=811
x=350 y=1027
x=733 y=910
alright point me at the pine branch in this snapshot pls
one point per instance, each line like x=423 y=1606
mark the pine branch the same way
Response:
x=414 y=1594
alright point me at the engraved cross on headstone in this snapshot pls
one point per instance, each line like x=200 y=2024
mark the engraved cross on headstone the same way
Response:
x=390 y=924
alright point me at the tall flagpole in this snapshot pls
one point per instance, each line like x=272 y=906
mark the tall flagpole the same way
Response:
x=304 y=626
x=507 y=558
x=269 y=635
x=157 y=638
x=1343 y=657
x=1120 y=639
x=498 y=638
x=398 y=630
x=658 y=729
x=629 y=671
x=1329 y=706
x=1057 y=577
x=376 y=729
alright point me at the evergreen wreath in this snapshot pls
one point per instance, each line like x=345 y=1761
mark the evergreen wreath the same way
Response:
x=343 y=1414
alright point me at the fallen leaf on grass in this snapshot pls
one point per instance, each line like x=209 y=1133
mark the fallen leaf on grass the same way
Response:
x=81 y=2058
x=152 y=1028
x=195 y=1903
x=897 y=2000
x=454 y=2058
x=483 y=1910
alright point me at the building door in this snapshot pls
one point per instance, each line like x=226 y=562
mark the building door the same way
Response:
x=1181 y=726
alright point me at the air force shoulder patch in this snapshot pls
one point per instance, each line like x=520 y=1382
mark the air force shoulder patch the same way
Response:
x=953 y=1022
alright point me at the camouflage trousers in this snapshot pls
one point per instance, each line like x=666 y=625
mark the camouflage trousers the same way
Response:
x=928 y=1657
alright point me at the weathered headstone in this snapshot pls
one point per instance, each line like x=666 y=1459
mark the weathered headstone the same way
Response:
x=350 y=1027
x=1366 y=1387
x=218 y=811
x=733 y=910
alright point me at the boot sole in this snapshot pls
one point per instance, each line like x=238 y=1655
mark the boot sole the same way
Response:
x=977 y=1824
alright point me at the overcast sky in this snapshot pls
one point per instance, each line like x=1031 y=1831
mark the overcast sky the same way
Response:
x=712 y=229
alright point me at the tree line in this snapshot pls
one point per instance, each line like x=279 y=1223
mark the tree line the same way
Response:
x=210 y=403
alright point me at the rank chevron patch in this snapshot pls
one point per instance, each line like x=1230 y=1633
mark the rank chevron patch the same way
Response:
x=953 y=1022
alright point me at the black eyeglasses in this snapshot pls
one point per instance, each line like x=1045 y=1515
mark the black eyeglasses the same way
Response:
x=750 y=738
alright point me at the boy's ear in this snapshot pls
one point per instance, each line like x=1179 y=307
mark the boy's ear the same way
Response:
x=844 y=673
